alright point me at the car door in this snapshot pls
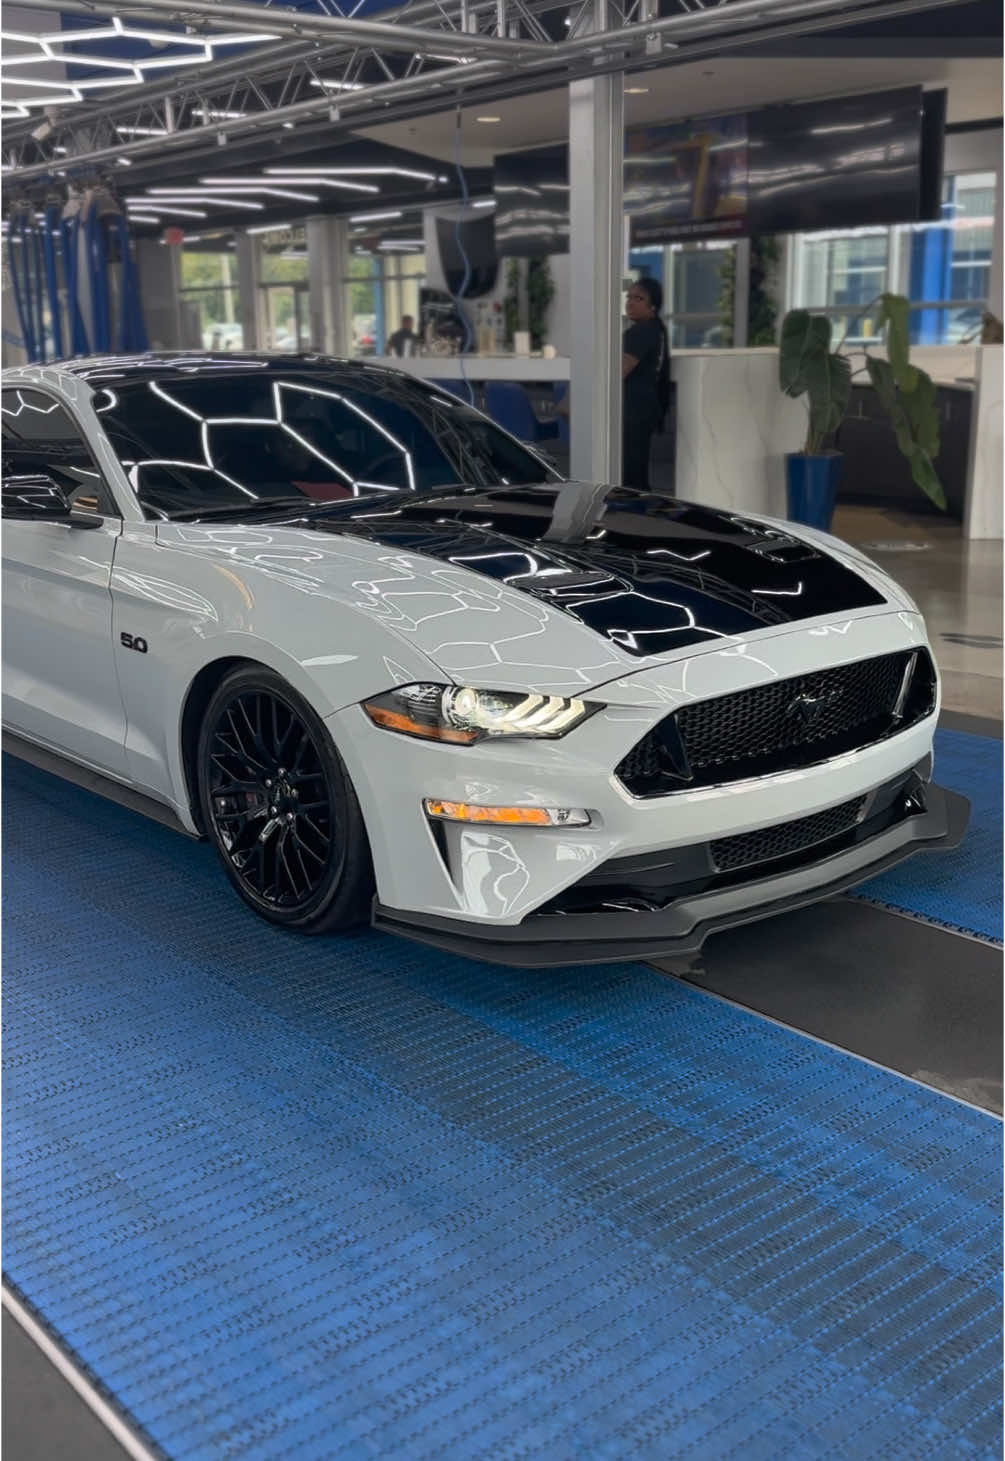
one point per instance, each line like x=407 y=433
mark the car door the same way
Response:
x=59 y=683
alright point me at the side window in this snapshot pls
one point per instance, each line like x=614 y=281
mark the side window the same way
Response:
x=39 y=435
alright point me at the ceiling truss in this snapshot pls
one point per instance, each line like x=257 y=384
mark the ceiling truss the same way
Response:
x=323 y=72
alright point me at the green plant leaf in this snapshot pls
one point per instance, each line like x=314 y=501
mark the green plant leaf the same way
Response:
x=804 y=337
x=828 y=382
x=915 y=423
x=927 y=478
x=922 y=412
x=893 y=314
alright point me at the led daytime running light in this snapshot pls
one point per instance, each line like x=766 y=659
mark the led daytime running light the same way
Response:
x=464 y=714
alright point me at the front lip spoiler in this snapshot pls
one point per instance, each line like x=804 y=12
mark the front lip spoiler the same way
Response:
x=601 y=938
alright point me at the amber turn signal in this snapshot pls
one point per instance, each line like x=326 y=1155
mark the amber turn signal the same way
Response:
x=397 y=720
x=507 y=816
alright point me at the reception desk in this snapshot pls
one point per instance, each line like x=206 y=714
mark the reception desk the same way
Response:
x=734 y=425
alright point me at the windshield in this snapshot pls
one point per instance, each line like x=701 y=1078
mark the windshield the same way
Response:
x=242 y=441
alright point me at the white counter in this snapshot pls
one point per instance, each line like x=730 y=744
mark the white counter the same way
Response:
x=983 y=510
x=527 y=369
x=734 y=426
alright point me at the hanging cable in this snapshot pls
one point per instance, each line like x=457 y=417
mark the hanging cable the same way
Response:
x=466 y=278
x=53 y=213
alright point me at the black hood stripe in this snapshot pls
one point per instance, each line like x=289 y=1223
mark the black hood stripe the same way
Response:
x=648 y=574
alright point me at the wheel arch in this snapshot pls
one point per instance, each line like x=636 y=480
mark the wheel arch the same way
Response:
x=198 y=696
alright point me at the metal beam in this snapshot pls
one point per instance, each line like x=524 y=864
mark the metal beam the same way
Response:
x=596 y=248
x=432 y=92
x=222 y=15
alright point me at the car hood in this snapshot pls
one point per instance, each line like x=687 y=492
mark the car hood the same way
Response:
x=557 y=590
x=649 y=575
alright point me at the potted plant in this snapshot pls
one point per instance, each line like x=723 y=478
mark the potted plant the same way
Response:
x=807 y=366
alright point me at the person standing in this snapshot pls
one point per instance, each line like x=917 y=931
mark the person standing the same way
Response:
x=645 y=372
x=403 y=341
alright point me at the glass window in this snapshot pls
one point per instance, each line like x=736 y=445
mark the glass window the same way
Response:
x=283 y=276
x=404 y=274
x=949 y=262
x=242 y=440
x=841 y=274
x=364 y=305
x=943 y=268
x=40 y=436
x=697 y=298
x=209 y=293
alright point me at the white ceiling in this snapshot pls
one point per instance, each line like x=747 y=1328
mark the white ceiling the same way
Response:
x=704 y=87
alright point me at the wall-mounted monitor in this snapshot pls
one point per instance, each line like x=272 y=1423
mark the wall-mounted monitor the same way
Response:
x=848 y=162
x=467 y=254
x=686 y=179
x=531 y=190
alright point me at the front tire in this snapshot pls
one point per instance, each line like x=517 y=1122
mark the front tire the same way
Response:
x=279 y=807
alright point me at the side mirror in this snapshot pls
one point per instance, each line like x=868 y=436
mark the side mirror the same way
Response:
x=36 y=497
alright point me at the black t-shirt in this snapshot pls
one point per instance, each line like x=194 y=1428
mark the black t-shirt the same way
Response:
x=646 y=341
x=396 y=343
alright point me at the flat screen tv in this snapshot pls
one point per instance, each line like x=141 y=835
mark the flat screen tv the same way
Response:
x=849 y=162
x=532 y=202
x=933 y=144
x=467 y=255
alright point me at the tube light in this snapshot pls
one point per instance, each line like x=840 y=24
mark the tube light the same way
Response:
x=229 y=190
x=311 y=180
x=162 y=201
x=370 y=172
x=171 y=208
x=375 y=217
x=338 y=85
x=142 y=131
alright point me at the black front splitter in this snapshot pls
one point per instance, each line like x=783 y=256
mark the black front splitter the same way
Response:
x=550 y=941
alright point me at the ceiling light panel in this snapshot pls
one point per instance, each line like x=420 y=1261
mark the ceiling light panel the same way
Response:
x=161 y=201
x=231 y=190
x=295 y=178
x=354 y=172
x=30 y=50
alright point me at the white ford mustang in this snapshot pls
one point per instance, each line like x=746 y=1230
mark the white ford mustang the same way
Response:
x=394 y=668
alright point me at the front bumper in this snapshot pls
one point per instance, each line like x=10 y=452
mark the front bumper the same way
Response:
x=924 y=818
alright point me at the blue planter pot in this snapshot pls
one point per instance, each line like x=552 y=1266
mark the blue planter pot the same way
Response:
x=812 y=484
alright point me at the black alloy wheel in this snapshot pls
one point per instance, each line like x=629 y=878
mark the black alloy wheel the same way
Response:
x=279 y=807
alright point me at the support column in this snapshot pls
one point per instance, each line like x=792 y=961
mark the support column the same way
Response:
x=247 y=289
x=597 y=264
x=326 y=266
x=741 y=293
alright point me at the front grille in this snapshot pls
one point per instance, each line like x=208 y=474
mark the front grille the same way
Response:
x=785 y=838
x=783 y=725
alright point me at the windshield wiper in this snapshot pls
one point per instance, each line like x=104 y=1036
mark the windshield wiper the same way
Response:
x=243 y=512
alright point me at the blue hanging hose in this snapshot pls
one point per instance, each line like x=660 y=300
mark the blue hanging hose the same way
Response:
x=97 y=258
x=37 y=289
x=17 y=260
x=132 y=326
x=53 y=213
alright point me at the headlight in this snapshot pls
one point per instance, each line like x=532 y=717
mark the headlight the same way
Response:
x=462 y=715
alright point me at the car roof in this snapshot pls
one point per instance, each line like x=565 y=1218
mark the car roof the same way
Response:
x=161 y=364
